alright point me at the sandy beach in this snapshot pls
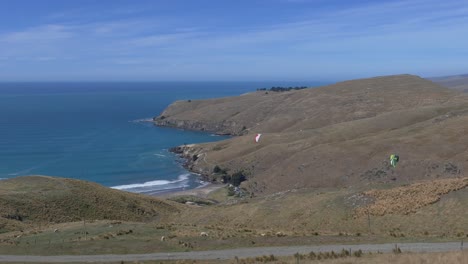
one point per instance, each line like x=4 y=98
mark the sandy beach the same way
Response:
x=202 y=192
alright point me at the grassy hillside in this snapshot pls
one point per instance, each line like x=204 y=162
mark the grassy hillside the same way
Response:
x=270 y=112
x=333 y=136
x=458 y=82
x=320 y=174
x=423 y=210
x=32 y=200
x=295 y=217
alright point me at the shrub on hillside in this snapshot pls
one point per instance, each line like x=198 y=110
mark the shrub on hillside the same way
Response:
x=237 y=178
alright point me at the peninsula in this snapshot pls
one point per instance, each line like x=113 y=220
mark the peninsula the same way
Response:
x=339 y=135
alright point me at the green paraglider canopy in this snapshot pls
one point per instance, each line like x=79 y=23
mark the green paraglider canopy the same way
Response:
x=394 y=160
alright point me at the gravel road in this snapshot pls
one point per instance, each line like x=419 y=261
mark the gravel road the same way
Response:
x=240 y=252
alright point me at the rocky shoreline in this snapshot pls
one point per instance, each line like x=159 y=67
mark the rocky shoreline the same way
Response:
x=191 y=156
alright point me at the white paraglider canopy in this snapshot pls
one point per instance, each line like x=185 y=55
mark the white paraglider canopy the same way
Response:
x=257 y=137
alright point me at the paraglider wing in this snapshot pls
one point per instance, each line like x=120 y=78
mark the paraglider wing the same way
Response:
x=394 y=160
x=257 y=137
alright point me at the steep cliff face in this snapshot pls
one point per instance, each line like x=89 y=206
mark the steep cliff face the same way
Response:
x=337 y=135
x=219 y=127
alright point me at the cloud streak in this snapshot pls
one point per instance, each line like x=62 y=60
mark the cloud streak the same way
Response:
x=403 y=34
x=44 y=33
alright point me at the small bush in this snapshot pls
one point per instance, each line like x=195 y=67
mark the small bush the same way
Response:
x=237 y=178
x=219 y=170
x=396 y=250
x=266 y=258
x=231 y=191
x=358 y=253
x=216 y=169
x=312 y=255
x=298 y=256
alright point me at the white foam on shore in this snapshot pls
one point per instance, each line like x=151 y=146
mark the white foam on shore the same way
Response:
x=157 y=183
x=142 y=120
x=202 y=184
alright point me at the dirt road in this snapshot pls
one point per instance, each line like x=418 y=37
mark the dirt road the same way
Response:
x=240 y=252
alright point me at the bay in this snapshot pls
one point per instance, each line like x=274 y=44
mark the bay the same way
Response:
x=92 y=131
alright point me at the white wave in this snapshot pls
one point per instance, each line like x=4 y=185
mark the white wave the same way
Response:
x=160 y=155
x=182 y=178
x=25 y=171
x=202 y=184
x=142 y=120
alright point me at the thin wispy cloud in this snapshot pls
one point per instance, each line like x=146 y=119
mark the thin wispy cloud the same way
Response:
x=41 y=33
x=334 y=41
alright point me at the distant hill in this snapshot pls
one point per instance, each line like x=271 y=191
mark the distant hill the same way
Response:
x=33 y=200
x=458 y=82
x=333 y=136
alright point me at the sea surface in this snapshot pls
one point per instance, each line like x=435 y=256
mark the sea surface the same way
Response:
x=94 y=131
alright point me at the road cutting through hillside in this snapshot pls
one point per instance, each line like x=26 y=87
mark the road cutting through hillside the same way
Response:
x=239 y=252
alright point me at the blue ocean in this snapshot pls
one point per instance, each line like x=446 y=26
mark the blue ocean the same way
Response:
x=94 y=131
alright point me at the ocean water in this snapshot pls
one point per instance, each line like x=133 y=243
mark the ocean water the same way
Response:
x=92 y=131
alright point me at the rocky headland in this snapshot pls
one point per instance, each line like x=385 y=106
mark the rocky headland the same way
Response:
x=339 y=135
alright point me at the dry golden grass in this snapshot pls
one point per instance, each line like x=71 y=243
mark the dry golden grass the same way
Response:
x=459 y=82
x=406 y=258
x=458 y=257
x=334 y=136
x=328 y=215
x=407 y=199
x=35 y=200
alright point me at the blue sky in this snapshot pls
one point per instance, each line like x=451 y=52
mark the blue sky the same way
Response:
x=164 y=40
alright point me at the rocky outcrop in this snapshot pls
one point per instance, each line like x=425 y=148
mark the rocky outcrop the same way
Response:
x=219 y=128
x=193 y=160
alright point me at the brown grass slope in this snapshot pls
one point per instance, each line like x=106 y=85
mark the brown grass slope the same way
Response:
x=41 y=199
x=457 y=82
x=435 y=208
x=408 y=199
x=333 y=136
x=307 y=109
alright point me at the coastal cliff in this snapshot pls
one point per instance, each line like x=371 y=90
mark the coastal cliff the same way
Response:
x=333 y=136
